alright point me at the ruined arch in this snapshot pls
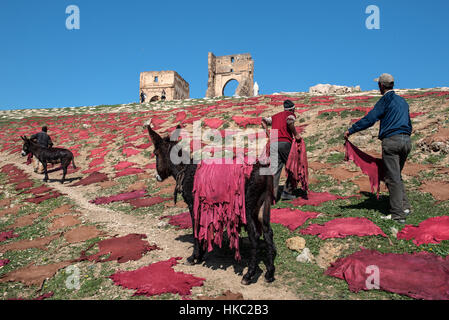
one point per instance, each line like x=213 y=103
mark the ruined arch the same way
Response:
x=154 y=98
x=226 y=85
x=239 y=67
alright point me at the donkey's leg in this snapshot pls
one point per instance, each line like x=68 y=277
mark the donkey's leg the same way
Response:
x=44 y=163
x=64 y=172
x=253 y=203
x=64 y=164
x=252 y=264
x=198 y=251
x=268 y=237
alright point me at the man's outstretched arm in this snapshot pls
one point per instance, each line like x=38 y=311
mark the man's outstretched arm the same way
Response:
x=367 y=121
x=291 y=126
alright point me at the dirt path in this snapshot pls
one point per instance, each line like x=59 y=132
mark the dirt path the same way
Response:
x=220 y=275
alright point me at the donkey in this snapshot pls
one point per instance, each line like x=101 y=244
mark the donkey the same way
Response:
x=48 y=155
x=258 y=200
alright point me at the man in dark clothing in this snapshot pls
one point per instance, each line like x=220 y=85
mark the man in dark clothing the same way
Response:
x=395 y=130
x=142 y=97
x=44 y=140
x=284 y=123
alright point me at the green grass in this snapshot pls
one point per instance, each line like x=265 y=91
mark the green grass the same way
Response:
x=352 y=113
x=309 y=279
x=435 y=158
x=328 y=115
x=337 y=157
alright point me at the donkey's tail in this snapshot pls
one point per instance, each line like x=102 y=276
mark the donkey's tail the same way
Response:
x=73 y=163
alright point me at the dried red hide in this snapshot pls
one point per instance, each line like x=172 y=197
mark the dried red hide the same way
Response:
x=147 y=202
x=123 y=165
x=438 y=189
x=291 y=218
x=5 y=202
x=219 y=205
x=122 y=249
x=297 y=166
x=180 y=116
x=34 y=275
x=25 y=220
x=344 y=227
x=369 y=165
x=92 y=178
x=244 y=121
x=42 y=198
x=421 y=275
x=317 y=198
x=91 y=170
x=28 y=244
x=24 y=185
x=144 y=145
x=96 y=162
x=158 y=278
x=213 y=123
x=7 y=235
x=66 y=208
x=12 y=210
x=38 y=190
x=131 y=152
x=63 y=222
x=119 y=197
x=129 y=171
x=182 y=220
x=81 y=234
x=4 y=262
x=432 y=230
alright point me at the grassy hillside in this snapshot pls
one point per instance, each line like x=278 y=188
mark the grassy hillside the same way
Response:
x=103 y=137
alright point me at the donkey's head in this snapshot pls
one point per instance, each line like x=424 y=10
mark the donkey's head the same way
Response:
x=26 y=146
x=162 y=150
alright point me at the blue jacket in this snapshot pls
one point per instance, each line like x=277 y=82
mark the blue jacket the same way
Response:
x=393 y=113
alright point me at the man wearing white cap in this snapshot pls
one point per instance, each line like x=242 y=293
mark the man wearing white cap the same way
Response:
x=394 y=132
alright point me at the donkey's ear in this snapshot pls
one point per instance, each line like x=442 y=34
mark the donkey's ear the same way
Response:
x=154 y=136
x=176 y=133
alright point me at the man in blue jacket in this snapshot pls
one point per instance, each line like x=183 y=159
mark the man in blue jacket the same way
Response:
x=395 y=130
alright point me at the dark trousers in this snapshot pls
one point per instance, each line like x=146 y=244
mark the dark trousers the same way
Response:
x=395 y=150
x=283 y=152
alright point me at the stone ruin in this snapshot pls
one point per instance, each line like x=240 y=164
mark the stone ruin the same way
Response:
x=333 y=89
x=239 y=67
x=155 y=84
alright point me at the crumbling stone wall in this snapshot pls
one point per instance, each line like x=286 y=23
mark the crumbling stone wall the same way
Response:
x=153 y=83
x=239 y=67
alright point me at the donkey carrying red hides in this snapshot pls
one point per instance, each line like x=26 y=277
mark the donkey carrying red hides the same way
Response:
x=258 y=197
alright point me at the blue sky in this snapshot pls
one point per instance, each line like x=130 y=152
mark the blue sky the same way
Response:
x=295 y=44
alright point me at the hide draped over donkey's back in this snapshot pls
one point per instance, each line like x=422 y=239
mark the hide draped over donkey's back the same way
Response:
x=247 y=202
x=49 y=155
